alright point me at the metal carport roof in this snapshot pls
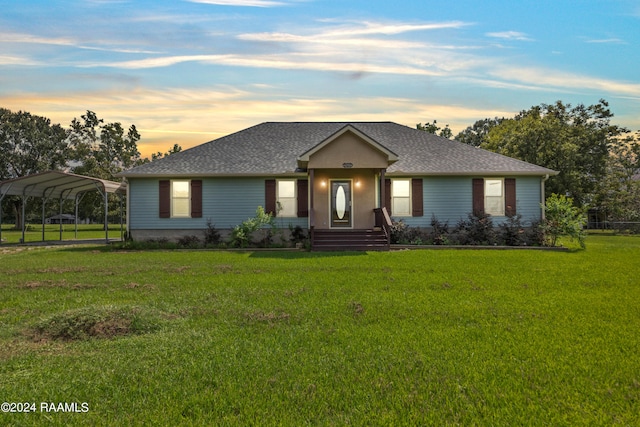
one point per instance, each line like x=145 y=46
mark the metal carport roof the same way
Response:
x=58 y=185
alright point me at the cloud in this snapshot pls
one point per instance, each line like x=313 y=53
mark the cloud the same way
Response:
x=241 y=3
x=369 y=28
x=18 y=60
x=613 y=40
x=543 y=78
x=510 y=35
x=19 y=38
x=7 y=37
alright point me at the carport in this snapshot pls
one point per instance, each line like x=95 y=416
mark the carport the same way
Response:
x=58 y=185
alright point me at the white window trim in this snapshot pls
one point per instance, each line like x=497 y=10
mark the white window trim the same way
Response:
x=173 y=198
x=500 y=211
x=293 y=200
x=410 y=204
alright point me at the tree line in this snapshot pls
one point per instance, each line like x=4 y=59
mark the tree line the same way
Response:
x=31 y=144
x=598 y=161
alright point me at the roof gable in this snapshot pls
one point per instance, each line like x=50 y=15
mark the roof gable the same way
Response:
x=389 y=155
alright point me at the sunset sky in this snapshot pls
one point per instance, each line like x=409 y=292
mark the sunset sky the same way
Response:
x=191 y=71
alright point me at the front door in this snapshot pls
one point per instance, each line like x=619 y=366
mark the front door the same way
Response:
x=341 y=204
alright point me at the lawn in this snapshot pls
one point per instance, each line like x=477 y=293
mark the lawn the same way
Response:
x=425 y=337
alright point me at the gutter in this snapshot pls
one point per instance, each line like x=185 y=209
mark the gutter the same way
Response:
x=542 y=200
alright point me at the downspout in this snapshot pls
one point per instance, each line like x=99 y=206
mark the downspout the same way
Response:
x=542 y=199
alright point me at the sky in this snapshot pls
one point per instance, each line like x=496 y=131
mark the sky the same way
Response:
x=189 y=71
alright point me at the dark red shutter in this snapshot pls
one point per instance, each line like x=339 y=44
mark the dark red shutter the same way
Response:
x=165 y=198
x=387 y=195
x=270 y=196
x=417 y=207
x=303 y=198
x=510 y=196
x=478 y=196
x=196 y=198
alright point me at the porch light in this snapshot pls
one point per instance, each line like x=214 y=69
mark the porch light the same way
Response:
x=358 y=183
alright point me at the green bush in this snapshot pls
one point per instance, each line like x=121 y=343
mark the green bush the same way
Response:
x=562 y=218
x=242 y=234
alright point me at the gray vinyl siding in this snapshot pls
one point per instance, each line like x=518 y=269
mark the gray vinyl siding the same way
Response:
x=449 y=198
x=225 y=201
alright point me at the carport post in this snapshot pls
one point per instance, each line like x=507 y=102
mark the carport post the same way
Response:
x=24 y=202
x=43 y=201
x=61 y=218
x=76 y=220
x=106 y=216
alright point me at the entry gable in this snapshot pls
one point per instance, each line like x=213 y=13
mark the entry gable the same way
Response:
x=348 y=148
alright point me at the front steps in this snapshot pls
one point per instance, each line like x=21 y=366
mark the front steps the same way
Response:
x=349 y=240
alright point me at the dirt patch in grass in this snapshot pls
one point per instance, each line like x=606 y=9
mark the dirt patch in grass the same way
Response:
x=134 y=285
x=356 y=308
x=61 y=270
x=54 y=284
x=94 y=322
x=270 y=317
x=223 y=269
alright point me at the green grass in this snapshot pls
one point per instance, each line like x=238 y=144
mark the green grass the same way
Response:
x=446 y=337
x=33 y=232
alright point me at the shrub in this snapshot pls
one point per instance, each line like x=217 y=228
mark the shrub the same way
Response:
x=512 y=231
x=402 y=234
x=190 y=242
x=477 y=229
x=439 y=231
x=534 y=234
x=562 y=218
x=211 y=234
x=398 y=232
x=242 y=234
x=298 y=234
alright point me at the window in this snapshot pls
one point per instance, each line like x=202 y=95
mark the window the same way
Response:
x=286 y=196
x=180 y=199
x=494 y=196
x=401 y=197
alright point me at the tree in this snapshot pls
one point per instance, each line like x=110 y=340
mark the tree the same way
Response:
x=576 y=141
x=29 y=144
x=175 y=149
x=475 y=135
x=435 y=129
x=618 y=197
x=101 y=150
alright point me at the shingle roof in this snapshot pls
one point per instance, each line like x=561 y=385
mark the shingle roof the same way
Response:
x=273 y=148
